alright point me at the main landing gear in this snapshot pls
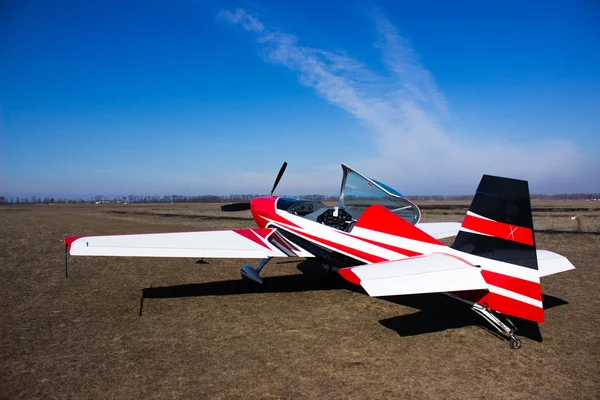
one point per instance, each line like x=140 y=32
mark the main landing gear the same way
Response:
x=505 y=330
x=251 y=273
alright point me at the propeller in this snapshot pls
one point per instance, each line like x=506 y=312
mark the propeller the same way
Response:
x=246 y=205
x=279 y=175
x=235 y=207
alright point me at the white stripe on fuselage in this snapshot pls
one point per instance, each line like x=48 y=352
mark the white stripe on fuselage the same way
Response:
x=427 y=248
x=463 y=229
x=353 y=240
x=515 y=296
x=472 y=214
x=336 y=236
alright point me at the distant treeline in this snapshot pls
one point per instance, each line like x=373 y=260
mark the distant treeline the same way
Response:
x=246 y=197
x=535 y=197
x=149 y=199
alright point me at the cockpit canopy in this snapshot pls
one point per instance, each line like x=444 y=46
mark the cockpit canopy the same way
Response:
x=359 y=193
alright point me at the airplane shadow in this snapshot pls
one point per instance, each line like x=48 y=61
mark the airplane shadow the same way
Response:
x=312 y=278
x=436 y=312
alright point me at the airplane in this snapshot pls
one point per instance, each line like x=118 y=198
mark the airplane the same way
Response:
x=373 y=238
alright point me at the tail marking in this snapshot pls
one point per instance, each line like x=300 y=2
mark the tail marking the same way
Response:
x=485 y=226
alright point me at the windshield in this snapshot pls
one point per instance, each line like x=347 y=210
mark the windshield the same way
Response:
x=359 y=193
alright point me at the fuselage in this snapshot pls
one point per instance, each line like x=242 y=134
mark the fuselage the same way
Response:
x=381 y=236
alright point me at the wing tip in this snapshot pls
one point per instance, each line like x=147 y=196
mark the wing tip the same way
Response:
x=68 y=241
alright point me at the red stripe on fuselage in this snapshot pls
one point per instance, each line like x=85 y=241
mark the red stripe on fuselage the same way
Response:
x=513 y=307
x=345 y=249
x=408 y=253
x=499 y=229
x=380 y=219
x=503 y=304
x=521 y=286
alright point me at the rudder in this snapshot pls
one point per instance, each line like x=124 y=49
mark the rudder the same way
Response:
x=499 y=226
x=499 y=223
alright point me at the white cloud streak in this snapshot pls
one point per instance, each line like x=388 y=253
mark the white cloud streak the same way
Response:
x=404 y=109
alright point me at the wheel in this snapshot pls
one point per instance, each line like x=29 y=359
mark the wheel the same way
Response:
x=514 y=343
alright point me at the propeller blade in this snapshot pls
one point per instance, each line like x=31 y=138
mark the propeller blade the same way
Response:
x=235 y=207
x=279 y=175
x=246 y=206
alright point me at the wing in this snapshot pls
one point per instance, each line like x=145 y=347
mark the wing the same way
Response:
x=432 y=273
x=550 y=263
x=239 y=243
x=440 y=230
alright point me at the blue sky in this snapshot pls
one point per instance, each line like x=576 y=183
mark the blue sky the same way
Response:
x=210 y=97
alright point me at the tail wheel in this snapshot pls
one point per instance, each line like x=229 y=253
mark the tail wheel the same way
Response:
x=514 y=343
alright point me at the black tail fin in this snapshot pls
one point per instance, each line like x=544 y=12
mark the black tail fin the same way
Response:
x=499 y=223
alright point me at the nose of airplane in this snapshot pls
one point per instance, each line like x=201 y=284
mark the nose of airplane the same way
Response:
x=262 y=207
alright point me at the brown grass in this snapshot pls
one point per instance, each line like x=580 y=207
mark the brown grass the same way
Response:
x=206 y=334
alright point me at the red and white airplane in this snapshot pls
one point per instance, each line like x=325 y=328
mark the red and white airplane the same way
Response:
x=373 y=238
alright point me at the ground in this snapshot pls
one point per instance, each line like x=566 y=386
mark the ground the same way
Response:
x=173 y=328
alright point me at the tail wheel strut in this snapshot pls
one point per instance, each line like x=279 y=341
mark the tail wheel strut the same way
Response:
x=506 y=331
x=513 y=342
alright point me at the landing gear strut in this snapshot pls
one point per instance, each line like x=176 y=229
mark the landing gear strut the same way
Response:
x=505 y=330
x=251 y=273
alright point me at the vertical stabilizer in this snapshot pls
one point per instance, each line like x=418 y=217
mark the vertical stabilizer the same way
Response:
x=499 y=226
x=499 y=223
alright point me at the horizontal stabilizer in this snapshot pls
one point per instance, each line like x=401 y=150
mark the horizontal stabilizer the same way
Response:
x=433 y=273
x=440 y=230
x=239 y=243
x=550 y=263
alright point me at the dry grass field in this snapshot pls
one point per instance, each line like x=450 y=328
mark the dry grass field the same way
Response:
x=204 y=333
